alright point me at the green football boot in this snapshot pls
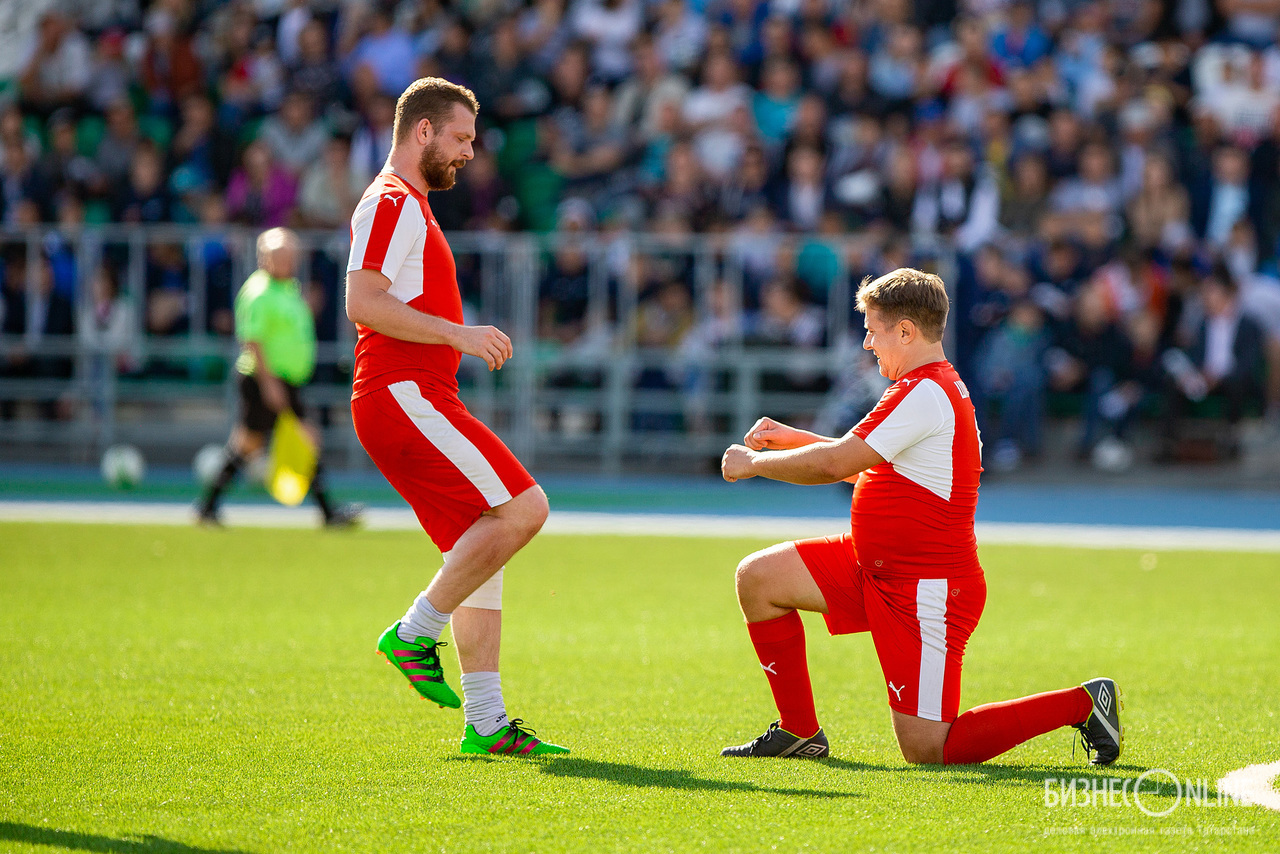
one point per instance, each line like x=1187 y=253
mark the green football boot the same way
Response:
x=512 y=740
x=420 y=663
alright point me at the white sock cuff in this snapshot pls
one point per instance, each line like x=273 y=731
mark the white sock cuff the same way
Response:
x=481 y=680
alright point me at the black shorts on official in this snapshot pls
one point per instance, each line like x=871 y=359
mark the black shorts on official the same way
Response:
x=255 y=415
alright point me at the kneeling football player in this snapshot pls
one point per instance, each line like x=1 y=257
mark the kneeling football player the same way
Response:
x=908 y=571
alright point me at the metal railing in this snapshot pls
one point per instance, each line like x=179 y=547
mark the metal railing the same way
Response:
x=603 y=401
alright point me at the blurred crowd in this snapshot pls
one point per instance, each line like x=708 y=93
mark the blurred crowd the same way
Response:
x=1105 y=174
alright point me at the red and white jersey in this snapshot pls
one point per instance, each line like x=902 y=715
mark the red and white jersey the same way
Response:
x=393 y=232
x=913 y=514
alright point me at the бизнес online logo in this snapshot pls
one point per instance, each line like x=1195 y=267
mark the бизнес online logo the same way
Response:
x=1144 y=792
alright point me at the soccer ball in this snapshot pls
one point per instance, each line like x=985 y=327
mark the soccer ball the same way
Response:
x=123 y=466
x=207 y=462
x=1112 y=455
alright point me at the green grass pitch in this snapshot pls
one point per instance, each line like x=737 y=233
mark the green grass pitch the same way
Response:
x=182 y=690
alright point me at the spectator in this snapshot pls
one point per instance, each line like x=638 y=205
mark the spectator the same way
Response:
x=589 y=153
x=609 y=27
x=747 y=188
x=261 y=192
x=107 y=325
x=564 y=294
x=379 y=47
x=120 y=140
x=684 y=191
x=372 y=140
x=1094 y=197
x=897 y=67
x=721 y=328
x=314 y=72
x=1253 y=22
x=786 y=319
x=56 y=70
x=110 y=76
x=710 y=109
x=201 y=147
x=641 y=98
x=507 y=84
x=963 y=204
x=35 y=314
x=63 y=169
x=544 y=33
x=1244 y=100
x=1228 y=194
x=1026 y=203
x=22 y=188
x=803 y=196
x=170 y=70
x=294 y=19
x=680 y=35
x=897 y=196
x=1224 y=360
x=14 y=132
x=294 y=136
x=452 y=57
x=330 y=190
x=1010 y=382
x=774 y=106
x=1093 y=356
x=754 y=247
x=1160 y=212
x=1019 y=42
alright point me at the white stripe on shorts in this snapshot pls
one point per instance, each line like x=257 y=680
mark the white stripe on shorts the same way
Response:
x=449 y=440
x=931 y=611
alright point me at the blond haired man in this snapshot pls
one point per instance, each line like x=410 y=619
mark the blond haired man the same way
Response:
x=908 y=571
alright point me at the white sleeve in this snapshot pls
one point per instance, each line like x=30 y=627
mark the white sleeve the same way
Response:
x=384 y=230
x=917 y=415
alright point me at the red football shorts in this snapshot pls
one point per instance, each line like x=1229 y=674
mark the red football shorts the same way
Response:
x=438 y=456
x=919 y=626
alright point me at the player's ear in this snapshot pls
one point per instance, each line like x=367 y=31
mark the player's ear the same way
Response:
x=906 y=330
x=424 y=131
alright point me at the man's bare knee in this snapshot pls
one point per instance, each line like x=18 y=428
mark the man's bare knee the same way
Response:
x=750 y=578
x=920 y=755
x=527 y=512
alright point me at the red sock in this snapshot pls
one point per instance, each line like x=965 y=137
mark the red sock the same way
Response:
x=987 y=731
x=780 y=645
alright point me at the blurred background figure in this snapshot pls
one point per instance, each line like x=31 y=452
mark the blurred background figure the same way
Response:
x=276 y=329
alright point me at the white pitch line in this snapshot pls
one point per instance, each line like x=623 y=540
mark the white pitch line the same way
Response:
x=1253 y=785
x=658 y=524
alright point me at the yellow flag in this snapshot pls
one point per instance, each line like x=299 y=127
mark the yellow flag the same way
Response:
x=292 y=462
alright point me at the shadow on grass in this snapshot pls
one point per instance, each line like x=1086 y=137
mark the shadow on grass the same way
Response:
x=72 y=841
x=661 y=778
x=988 y=773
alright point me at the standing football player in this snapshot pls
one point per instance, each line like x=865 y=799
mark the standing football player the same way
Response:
x=908 y=572
x=470 y=493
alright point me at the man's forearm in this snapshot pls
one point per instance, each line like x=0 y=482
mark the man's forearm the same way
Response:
x=383 y=313
x=815 y=463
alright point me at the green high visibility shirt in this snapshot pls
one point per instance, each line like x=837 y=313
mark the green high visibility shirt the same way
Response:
x=272 y=313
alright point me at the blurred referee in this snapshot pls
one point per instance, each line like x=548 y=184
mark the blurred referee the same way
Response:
x=275 y=325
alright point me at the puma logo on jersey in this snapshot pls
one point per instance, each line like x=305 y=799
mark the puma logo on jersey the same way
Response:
x=897 y=690
x=768 y=668
x=387 y=197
